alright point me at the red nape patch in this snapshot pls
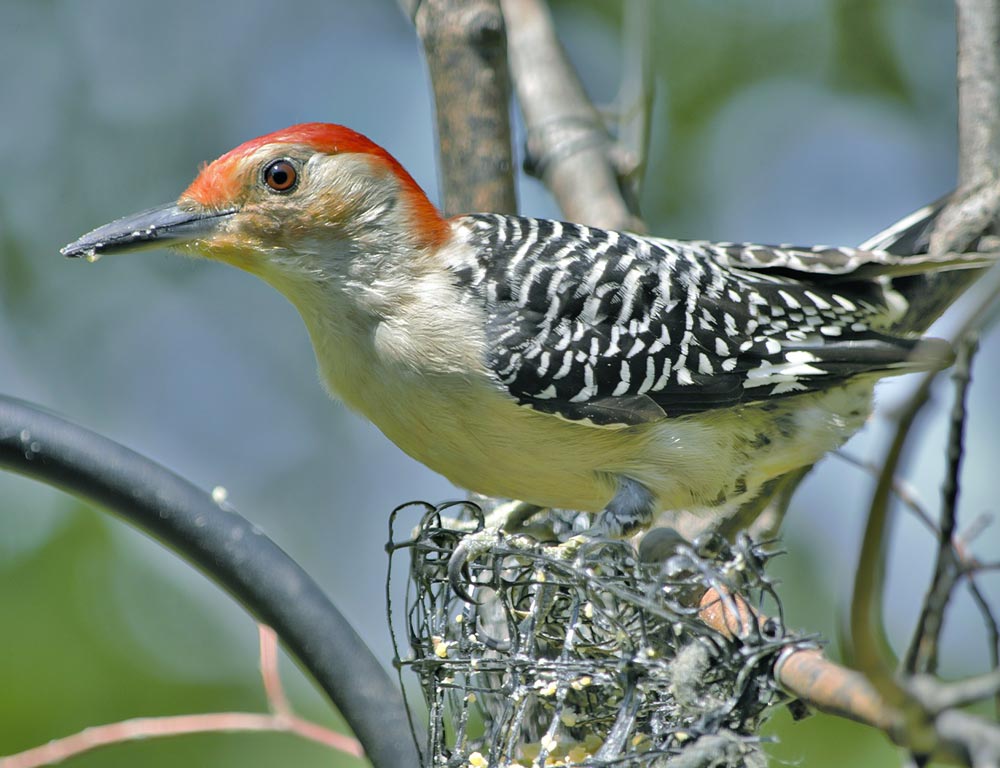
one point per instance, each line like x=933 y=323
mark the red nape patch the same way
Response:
x=218 y=184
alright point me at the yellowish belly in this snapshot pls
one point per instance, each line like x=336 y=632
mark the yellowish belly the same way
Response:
x=482 y=440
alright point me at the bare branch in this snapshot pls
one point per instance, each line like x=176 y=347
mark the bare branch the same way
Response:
x=866 y=628
x=140 y=728
x=923 y=652
x=992 y=632
x=979 y=91
x=466 y=49
x=974 y=208
x=866 y=617
x=829 y=687
x=568 y=146
x=900 y=488
x=277 y=701
x=937 y=696
x=282 y=719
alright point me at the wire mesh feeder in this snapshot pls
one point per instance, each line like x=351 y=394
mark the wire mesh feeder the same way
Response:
x=590 y=654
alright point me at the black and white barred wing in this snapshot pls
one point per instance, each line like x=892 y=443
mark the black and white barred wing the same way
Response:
x=617 y=329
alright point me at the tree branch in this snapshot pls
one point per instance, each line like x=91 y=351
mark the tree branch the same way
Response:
x=635 y=99
x=923 y=652
x=831 y=688
x=568 y=146
x=466 y=48
x=974 y=207
x=978 y=92
x=866 y=630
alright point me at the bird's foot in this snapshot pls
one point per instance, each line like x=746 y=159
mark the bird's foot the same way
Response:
x=471 y=547
x=482 y=535
x=509 y=516
x=483 y=542
x=628 y=512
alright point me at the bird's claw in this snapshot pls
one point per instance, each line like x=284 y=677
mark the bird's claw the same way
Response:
x=509 y=517
x=482 y=535
x=469 y=548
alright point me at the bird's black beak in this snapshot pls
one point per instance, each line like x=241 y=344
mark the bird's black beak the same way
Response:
x=168 y=225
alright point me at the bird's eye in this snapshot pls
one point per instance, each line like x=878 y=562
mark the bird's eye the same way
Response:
x=280 y=176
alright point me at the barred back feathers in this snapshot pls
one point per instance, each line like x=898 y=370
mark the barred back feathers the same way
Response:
x=618 y=329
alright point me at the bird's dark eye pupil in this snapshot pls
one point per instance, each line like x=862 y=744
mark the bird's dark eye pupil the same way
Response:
x=280 y=175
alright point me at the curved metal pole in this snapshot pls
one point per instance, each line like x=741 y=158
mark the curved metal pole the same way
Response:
x=228 y=549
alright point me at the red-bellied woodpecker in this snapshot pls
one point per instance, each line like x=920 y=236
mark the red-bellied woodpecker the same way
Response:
x=555 y=363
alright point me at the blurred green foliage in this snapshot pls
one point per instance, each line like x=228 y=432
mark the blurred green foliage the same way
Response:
x=68 y=664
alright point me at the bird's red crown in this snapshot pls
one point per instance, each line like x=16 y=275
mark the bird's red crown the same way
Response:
x=218 y=183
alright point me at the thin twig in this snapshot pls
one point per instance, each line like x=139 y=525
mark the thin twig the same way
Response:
x=866 y=628
x=900 y=488
x=962 y=375
x=937 y=696
x=969 y=566
x=281 y=720
x=139 y=728
x=906 y=495
x=922 y=655
x=992 y=632
x=270 y=676
x=972 y=531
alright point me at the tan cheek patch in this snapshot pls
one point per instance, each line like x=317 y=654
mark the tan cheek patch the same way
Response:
x=332 y=208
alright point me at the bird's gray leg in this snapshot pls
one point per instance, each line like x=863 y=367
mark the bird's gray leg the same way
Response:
x=630 y=510
x=511 y=516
